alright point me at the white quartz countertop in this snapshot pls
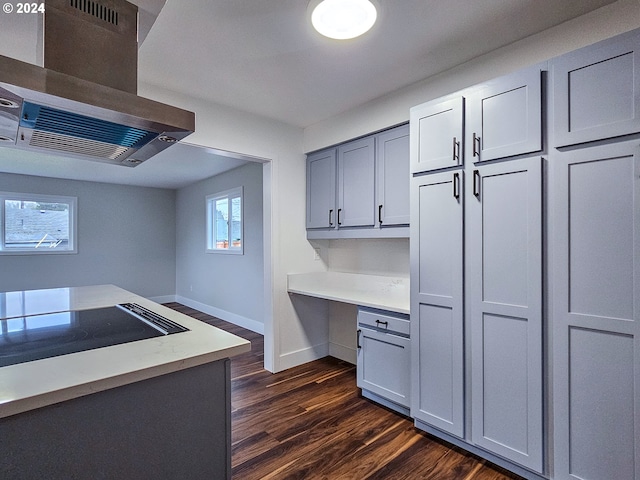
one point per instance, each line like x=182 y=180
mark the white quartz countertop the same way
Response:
x=31 y=385
x=375 y=291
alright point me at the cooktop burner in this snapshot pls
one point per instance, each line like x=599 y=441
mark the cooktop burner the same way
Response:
x=35 y=337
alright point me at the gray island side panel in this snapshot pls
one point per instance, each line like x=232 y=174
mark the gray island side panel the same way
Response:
x=176 y=425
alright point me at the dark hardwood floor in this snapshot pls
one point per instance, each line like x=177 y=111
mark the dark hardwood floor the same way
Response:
x=310 y=422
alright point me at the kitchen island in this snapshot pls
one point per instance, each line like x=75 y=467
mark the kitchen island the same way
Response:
x=154 y=408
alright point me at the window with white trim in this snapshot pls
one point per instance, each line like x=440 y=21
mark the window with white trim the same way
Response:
x=225 y=222
x=37 y=224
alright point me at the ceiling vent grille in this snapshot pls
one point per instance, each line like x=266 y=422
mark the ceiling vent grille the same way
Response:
x=50 y=128
x=47 y=119
x=80 y=146
x=101 y=12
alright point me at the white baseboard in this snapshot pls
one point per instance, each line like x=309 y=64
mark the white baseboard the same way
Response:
x=248 y=323
x=305 y=355
x=163 y=299
x=341 y=352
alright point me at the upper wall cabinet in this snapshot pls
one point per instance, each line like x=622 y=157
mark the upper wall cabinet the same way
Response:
x=596 y=91
x=498 y=119
x=356 y=188
x=321 y=189
x=392 y=176
x=437 y=129
x=504 y=117
x=360 y=189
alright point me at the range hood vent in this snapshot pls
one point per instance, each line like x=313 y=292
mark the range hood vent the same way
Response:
x=83 y=103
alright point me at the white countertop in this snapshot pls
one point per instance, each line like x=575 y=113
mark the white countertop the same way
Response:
x=31 y=385
x=375 y=291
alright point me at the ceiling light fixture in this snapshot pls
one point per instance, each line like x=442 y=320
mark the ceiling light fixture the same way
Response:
x=343 y=19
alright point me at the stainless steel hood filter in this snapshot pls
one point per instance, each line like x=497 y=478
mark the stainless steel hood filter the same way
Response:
x=83 y=103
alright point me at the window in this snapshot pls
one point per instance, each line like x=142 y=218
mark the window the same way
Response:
x=224 y=222
x=37 y=224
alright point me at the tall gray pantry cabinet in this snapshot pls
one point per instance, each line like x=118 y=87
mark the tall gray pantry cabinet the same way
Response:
x=595 y=171
x=525 y=266
x=476 y=260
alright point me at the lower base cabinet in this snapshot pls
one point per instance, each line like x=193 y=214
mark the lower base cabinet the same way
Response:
x=383 y=363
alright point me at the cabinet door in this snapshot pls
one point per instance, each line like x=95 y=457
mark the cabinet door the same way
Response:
x=321 y=189
x=596 y=312
x=356 y=175
x=436 y=135
x=504 y=118
x=597 y=91
x=437 y=395
x=392 y=174
x=384 y=365
x=504 y=263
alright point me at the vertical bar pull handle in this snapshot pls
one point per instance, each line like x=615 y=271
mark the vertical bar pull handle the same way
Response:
x=358 y=339
x=456 y=150
x=331 y=217
x=476 y=145
x=476 y=183
x=339 y=210
x=456 y=186
x=380 y=214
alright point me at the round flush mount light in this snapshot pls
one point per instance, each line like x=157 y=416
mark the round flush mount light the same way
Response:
x=343 y=19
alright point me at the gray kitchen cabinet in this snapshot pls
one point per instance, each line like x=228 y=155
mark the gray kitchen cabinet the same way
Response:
x=360 y=189
x=500 y=118
x=596 y=312
x=383 y=362
x=321 y=189
x=504 y=116
x=596 y=91
x=437 y=130
x=437 y=331
x=392 y=177
x=503 y=221
x=356 y=187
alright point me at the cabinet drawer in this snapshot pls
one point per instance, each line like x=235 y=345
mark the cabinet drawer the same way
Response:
x=387 y=321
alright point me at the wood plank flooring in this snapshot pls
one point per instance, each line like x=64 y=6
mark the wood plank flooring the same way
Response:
x=310 y=422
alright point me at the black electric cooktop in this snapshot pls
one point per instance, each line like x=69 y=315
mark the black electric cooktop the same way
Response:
x=35 y=337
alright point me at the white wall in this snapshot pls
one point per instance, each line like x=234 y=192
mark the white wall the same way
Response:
x=126 y=237
x=229 y=287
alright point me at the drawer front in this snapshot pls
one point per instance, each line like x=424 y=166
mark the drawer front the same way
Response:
x=386 y=321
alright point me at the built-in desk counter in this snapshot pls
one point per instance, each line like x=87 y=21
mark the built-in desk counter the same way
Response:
x=374 y=291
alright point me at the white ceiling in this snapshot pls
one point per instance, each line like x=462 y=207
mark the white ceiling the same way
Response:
x=263 y=57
